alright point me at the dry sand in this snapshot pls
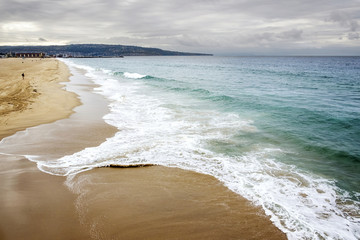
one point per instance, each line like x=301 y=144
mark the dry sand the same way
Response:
x=27 y=102
x=136 y=203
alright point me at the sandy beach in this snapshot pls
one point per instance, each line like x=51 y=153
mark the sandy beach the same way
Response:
x=106 y=203
x=27 y=101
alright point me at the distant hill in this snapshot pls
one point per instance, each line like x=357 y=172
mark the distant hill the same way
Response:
x=96 y=50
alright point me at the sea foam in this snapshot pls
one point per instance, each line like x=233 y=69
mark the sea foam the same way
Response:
x=133 y=75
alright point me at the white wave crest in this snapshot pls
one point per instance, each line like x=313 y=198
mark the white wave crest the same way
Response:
x=133 y=75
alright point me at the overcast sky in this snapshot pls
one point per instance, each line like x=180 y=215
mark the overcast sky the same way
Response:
x=222 y=27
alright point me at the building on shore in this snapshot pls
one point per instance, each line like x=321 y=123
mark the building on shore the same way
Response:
x=30 y=55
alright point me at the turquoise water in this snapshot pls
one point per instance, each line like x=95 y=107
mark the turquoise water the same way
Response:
x=308 y=105
x=282 y=131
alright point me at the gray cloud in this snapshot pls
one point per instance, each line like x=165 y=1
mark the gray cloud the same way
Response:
x=293 y=34
x=185 y=25
x=344 y=20
x=353 y=36
x=42 y=39
x=347 y=21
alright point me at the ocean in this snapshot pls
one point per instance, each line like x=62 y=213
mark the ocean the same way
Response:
x=284 y=132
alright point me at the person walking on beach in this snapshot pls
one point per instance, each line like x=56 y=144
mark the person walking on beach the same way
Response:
x=23 y=75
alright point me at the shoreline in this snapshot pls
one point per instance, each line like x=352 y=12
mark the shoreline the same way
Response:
x=37 y=205
x=152 y=202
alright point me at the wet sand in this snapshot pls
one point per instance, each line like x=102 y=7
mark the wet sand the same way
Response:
x=35 y=205
x=165 y=203
x=111 y=203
